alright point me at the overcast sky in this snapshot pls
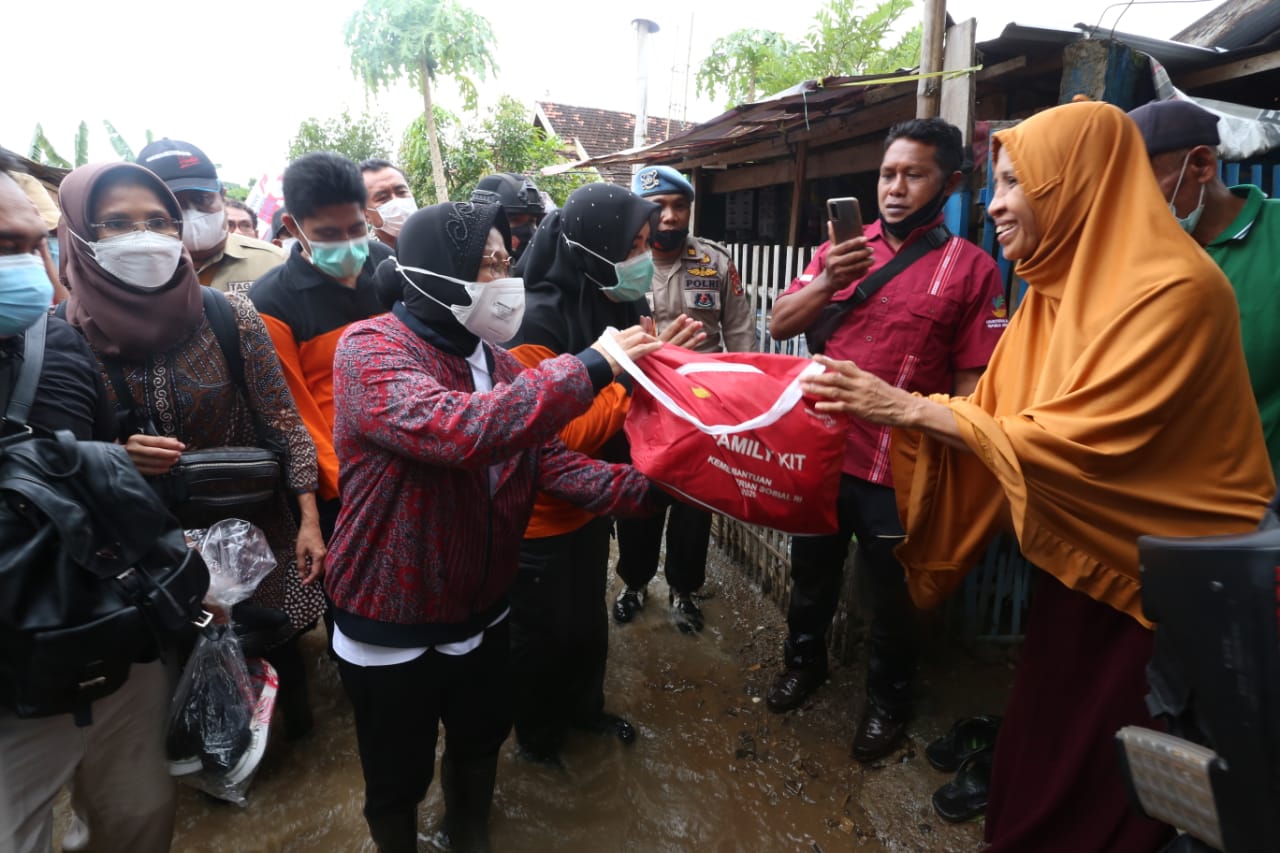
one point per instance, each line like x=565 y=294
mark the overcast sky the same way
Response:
x=236 y=78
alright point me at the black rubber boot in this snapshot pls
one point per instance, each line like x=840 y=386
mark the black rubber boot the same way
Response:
x=467 y=785
x=394 y=833
x=292 y=697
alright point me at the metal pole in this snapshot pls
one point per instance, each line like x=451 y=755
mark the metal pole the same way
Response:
x=643 y=28
x=929 y=89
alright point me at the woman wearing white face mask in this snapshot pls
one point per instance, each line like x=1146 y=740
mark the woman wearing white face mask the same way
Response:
x=588 y=268
x=136 y=300
x=442 y=440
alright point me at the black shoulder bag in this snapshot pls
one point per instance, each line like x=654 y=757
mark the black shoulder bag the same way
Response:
x=95 y=574
x=834 y=313
x=214 y=483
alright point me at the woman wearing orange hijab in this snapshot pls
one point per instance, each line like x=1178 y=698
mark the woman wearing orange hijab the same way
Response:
x=1116 y=404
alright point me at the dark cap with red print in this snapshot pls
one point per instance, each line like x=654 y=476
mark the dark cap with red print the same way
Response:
x=181 y=165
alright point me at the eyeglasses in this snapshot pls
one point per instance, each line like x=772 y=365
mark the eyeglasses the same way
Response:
x=116 y=227
x=497 y=263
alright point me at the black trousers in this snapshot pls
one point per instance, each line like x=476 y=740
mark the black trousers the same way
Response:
x=688 y=532
x=559 y=634
x=869 y=512
x=398 y=711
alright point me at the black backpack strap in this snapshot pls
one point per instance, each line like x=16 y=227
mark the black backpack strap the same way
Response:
x=223 y=321
x=23 y=396
x=934 y=238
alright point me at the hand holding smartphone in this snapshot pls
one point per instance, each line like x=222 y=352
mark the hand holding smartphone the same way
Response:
x=845 y=215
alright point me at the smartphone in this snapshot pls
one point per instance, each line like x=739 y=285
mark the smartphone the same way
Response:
x=846 y=218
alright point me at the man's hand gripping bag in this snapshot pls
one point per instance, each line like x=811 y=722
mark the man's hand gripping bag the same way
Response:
x=734 y=433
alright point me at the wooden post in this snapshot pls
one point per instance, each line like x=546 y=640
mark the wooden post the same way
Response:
x=797 y=193
x=929 y=89
x=1105 y=70
x=958 y=92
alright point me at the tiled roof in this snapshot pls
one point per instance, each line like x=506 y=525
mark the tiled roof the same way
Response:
x=604 y=132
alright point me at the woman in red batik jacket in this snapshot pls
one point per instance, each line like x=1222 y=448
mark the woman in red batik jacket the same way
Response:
x=443 y=439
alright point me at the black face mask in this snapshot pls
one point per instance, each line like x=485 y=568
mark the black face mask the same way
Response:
x=923 y=216
x=523 y=233
x=668 y=241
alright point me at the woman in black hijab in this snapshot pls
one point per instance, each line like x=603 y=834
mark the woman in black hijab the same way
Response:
x=442 y=440
x=588 y=268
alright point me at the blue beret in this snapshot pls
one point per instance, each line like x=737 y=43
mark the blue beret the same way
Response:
x=659 y=180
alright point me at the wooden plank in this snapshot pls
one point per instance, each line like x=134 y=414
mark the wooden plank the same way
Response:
x=991 y=72
x=958 y=92
x=751 y=177
x=846 y=160
x=1230 y=71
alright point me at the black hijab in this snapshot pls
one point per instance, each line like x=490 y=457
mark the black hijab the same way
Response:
x=449 y=239
x=564 y=309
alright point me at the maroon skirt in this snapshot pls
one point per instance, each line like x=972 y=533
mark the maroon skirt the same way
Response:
x=1056 y=783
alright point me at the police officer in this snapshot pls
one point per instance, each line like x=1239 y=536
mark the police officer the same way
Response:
x=520 y=200
x=694 y=277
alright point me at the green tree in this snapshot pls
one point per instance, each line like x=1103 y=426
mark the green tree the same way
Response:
x=42 y=150
x=420 y=40
x=841 y=40
x=506 y=141
x=746 y=64
x=356 y=138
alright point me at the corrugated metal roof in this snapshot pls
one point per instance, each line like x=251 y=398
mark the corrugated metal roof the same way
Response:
x=780 y=119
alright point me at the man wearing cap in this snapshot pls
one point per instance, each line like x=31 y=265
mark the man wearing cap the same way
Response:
x=224 y=261
x=1238 y=226
x=520 y=200
x=390 y=200
x=694 y=277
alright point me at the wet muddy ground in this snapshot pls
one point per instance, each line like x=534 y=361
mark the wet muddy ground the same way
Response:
x=712 y=770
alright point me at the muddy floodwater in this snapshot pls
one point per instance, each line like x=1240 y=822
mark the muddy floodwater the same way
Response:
x=712 y=769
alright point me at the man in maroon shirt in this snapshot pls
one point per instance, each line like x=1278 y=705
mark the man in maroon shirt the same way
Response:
x=931 y=329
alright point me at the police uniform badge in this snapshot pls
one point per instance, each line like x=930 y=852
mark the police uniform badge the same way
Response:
x=649 y=179
x=704 y=299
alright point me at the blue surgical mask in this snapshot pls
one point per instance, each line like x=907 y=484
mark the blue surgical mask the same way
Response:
x=25 y=292
x=339 y=259
x=1192 y=219
x=635 y=275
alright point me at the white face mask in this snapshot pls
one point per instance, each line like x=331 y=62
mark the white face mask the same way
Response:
x=1192 y=219
x=202 y=231
x=496 y=308
x=394 y=213
x=140 y=259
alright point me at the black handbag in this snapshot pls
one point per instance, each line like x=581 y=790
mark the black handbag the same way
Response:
x=833 y=314
x=95 y=574
x=212 y=483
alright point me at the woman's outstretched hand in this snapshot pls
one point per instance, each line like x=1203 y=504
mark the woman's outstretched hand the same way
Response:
x=635 y=341
x=683 y=331
x=848 y=389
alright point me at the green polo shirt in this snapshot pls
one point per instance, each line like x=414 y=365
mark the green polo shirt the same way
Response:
x=1248 y=251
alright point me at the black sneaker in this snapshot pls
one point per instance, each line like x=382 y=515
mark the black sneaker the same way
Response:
x=629 y=603
x=686 y=614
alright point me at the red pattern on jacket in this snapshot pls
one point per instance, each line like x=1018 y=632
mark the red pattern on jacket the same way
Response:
x=419 y=541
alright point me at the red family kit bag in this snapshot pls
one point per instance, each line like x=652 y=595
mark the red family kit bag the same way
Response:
x=734 y=433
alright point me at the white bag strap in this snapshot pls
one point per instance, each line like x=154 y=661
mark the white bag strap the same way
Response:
x=786 y=401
